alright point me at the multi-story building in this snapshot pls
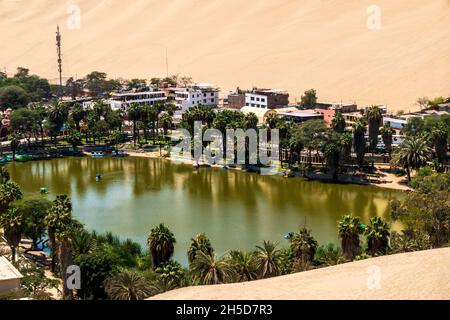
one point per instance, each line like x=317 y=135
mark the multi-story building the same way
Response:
x=266 y=98
x=124 y=100
x=199 y=94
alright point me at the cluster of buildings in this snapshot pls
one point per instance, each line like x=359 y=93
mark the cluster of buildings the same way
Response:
x=261 y=101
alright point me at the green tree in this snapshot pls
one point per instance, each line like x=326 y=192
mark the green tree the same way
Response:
x=57 y=117
x=61 y=229
x=77 y=114
x=329 y=255
x=309 y=99
x=375 y=120
x=413 y=153
x=172 y=274
x=439 y=137
x=14 y=141
x=349 y=229
x=267 y=260
x=134 y=114
x=74 y=138
x=199 y=243
x=33 y=210
x=243 y=265
x=359 y=140
x=13 y=97
x=11 y=222
x=161 y=244
x=377 y=233
x=9 y=192
x=338 y=123
x=207 y=269
x=25 y=122
x=386 y=134
x=128 y=285
x=303 y=246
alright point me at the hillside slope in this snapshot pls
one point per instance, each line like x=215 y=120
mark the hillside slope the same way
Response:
x=290 y=44
x=415 y=275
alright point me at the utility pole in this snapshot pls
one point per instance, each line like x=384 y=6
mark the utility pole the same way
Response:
x=58 y=50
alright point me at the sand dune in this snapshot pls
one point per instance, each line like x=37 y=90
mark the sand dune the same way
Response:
x=291 y=44
x=416 y=275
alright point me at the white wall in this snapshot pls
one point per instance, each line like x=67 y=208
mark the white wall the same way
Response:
x=255 y=100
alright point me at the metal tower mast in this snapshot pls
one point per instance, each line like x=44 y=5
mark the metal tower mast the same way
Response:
x=58 y=50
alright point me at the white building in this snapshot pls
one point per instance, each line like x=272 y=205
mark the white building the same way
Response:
x=266 y=98
x=9 y=276
x=124 y=100
x=199 y=94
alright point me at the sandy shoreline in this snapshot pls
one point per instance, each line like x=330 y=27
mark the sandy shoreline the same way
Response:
x=413 y=275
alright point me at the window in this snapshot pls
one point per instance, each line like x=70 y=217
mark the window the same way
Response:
x=257 y=99
x=212 y=100
x=252 y=98
x=204 y=94
x=204 y=100
x=263 y=99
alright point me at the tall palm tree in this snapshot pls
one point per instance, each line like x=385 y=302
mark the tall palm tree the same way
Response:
x=413 y=153
x=9 y=192
x=61 y=230
x=77 y=114
x=58 y=114
x=161 y=244
x=243 y=265
x=267 y=259
x=11 y=222
x=332 y=153
x=4 y=174
x=127 y=285
x=439 y=137
x=386 y=133
x=199 y=243
x=349 y=229
x=208 y=269
x=304 y=246
x=359 y=140
x=338 y=122
x=377 y=233
x=134 y=114
x=166 y=122
x=375 y=120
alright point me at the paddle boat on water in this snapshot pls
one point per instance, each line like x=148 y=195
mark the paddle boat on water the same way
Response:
x=98 y=177
x=43 y=190
x=119 y=154
x=23 y=157
x=97 y=154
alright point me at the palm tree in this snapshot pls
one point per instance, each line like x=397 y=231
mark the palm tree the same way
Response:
x=439 y=137
x=77 y=114
x=57 y=115
x=413 y=153
x=161 y=244
x=134 y=114
x=359 y=140
x=304 y=246
x=199 y=243
x=386 y=133
x=338 y=123
x=349 y=229
x=332 y=153
x=267 y=260
x=243 y=265
x=206 y=269
x=377 y=233
x=329 y=255
x=166 y=121
x=375 y=120
x=127 y=285
x=61 y=230
x=171 y=274
x=14 y=142
x=4 y=174
x=9 y=192
x=11 y=222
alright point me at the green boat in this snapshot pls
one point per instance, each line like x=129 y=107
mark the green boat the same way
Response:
x=23 y=157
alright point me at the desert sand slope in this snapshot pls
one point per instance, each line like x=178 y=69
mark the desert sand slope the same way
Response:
x=417 y=275
x=290 y=44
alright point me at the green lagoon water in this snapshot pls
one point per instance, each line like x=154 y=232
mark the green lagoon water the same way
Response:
x=235 y=209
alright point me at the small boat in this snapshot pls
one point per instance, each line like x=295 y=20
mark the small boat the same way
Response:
x=43 y=190
x=97 y=154
x=98 y=177
x=119 y=154
x=23 y=157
